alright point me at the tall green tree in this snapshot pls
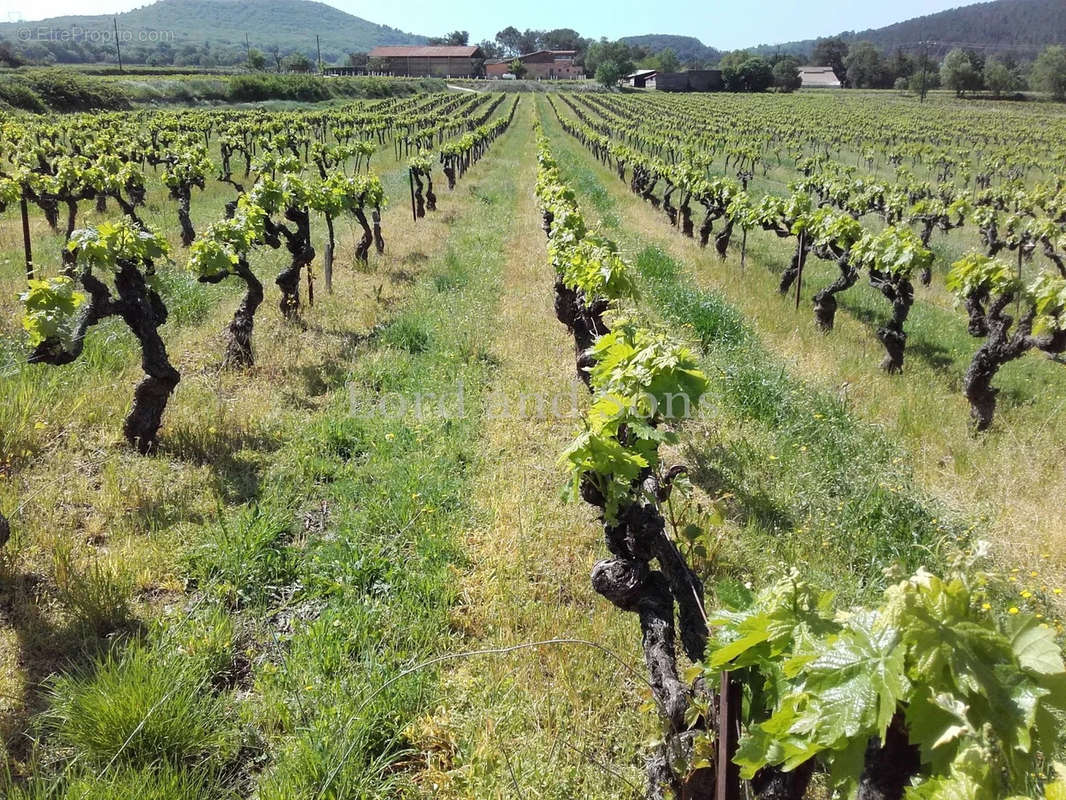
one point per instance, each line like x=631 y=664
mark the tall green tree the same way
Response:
x=603 y=51
x=900 y=65
x=490 y=48
x=957 y=72
x=609 y=73
x=562 y=39
x=998 y=77
x=455 y=39
x=753 y=74
x=667 y=61
x=256 y=61
x=8 y=55
x=298 y=62
x=866 y=68
x=756 y=75
x=831 y=53
x=786 y=74
x=515 y=42
x=1049 y=72
x=733 y=59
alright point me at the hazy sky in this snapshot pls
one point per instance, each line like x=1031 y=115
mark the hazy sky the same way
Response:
x=718 y=23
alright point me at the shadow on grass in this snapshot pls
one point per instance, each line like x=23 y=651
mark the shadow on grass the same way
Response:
x=236 y=458
x=934 y=354
x=720 y=470
x=46 y=647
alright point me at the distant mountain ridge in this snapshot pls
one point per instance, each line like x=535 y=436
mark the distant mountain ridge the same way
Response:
x=1022 y=27
x=168 y=25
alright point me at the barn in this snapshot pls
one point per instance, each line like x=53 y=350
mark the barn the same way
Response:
x=818 y=77
x=427 y=61
x=690 y=80
x=639 y=79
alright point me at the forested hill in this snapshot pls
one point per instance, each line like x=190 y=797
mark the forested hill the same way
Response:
x=689 y=49
x=165 y=28
x=1022 y=27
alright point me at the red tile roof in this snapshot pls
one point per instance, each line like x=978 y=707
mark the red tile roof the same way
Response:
x=424 y=51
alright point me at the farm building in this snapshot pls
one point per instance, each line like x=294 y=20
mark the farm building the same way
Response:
x=691 y=80
x=542 y=64
x=427 y=61
x=639 y=78
x=818 y=78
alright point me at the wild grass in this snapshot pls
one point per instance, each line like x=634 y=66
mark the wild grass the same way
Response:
x=244 y=559
x=156 y=782
x=141 y=708
x=554 y=721
x=96 y=595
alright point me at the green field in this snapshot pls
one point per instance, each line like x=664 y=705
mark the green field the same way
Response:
x=349 y=570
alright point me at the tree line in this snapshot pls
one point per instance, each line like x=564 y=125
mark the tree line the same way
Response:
x=863 y=65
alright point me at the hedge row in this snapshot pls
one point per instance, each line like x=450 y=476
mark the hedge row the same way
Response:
x=66 y=90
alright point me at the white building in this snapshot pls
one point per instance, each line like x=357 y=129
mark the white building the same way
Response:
x=818 y=78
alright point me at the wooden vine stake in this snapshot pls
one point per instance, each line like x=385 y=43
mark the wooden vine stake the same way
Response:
x=727 y=774
x=1018 y=299
x=802 y=260
x=26 y=237
x=411 y=186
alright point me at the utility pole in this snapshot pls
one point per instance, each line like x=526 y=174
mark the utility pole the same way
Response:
x=925 y=65
x=318 y=46
x=247 y=49
x=118 y=48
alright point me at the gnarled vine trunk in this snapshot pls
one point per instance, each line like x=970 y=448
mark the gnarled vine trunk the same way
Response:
x=143 y=311
x=183 y=195
x=239 y=344
x=825 y=302
x=420 y=203
x=900 y=293
x=379 y=240
x=298 y=243
x=889 y=765
x=431 y=198
x=628 y=581
x=686 y=216
x=721 y=241
x=362 y=249
x=788 y=277
x=327 y=258
x=583 y=320
x=773 y=783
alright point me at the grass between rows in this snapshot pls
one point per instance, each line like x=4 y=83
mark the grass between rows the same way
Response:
x=556 y=721
x=299 y=568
